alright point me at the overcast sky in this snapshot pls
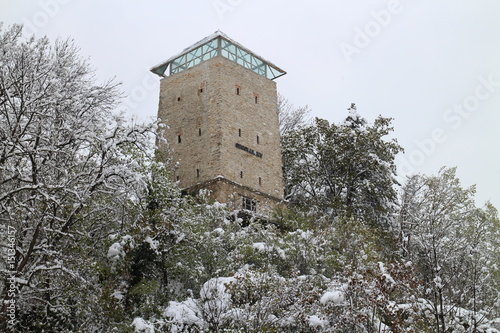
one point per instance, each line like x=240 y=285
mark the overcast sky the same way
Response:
x=433 y=66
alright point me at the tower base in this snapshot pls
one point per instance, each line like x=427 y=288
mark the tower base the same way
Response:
x=237 y=196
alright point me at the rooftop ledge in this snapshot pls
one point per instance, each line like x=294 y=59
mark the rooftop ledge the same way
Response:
x=218 y=44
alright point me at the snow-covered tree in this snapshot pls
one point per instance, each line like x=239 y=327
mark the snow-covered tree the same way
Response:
x=344 y=169
x=452 y=243
x=68 y=172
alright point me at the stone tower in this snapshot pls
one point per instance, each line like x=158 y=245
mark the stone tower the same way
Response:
x=219 y=102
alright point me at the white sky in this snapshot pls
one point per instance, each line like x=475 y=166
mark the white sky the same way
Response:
x=425 y=63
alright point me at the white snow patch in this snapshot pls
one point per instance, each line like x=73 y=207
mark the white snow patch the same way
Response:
x=281 y=252
x=315 y=321
x=118 y=295
x=438 y=282
x=386 y=275
x=115 y=252
x=182 y=312
x=142 y=326
x=218 y=205
x=266 y=248
x=152 y=243
x=216 y=288
x=260 y=246
x=335 y=297
x=219 y=231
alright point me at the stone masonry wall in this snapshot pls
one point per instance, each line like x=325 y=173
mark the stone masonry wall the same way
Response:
x=186 y=106
x=225 y=117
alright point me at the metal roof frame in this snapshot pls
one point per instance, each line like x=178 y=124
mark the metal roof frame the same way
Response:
x=238 y=54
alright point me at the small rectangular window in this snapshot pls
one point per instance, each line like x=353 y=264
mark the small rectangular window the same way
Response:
x=179 y=140
x=177 y=178
x=241 y=174
x=260 y=181
x=197 y=173
x=200 y=90
x=237 y=90
x=199 y=131
x=178 y=99
x=249 y=204
x=256 y=99
x=239 y=132
x=258 y=140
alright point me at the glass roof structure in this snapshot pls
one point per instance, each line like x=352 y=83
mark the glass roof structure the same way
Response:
x=218 y=44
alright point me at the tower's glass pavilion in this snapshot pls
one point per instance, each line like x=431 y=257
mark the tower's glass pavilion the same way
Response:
x=218 y=44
